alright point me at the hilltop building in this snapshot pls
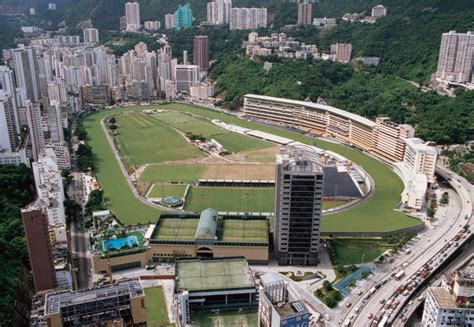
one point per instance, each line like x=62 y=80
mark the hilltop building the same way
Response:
x=132 y=16
x=218 y=12
x=456 y=59
x=183 y=17
x=305 y=13
x=247 y=18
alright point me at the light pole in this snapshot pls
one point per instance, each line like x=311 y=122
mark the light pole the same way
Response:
x=363 y=256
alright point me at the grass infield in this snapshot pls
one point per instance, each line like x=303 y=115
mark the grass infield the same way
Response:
x=156 y=313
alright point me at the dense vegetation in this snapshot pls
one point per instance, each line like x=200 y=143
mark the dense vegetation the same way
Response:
x=16 y=191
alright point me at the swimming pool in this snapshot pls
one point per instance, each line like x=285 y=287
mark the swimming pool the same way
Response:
x=119 y=243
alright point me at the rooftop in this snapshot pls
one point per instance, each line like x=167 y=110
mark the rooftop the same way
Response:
x=215 y=274
x=55 y=301
x=444 y=299
x=227 y=229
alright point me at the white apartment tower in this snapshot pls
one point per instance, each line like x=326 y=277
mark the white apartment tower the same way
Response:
x=456 y=58
x=299 y=192
x=8 y=129
x=421 y=158
x=8 y=87
x=379 y=11
x=33 y=116
x=91 y=35
x=49 y=186
x=169 y=21
x=55 y=123
x=218 y=12
x=132 y=16
x=25 y=66
x=248 y=18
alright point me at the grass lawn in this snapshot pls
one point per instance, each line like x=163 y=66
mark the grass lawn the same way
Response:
x=232 y=142
x=156 y=314
x=173 y=173
x=146 y=140
x=376 y=214
x=230 y=199
x=350 y=251
x=118 y=195
x=164 y=190
x=246 y=318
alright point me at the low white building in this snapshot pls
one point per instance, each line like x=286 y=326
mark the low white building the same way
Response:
x=202 y=91
x=452 y=304
x=14 y=158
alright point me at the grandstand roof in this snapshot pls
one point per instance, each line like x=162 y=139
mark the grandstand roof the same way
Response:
x=312 y=105
x=215 y=274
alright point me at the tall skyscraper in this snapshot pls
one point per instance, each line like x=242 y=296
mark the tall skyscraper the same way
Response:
x=91 y=35
x=201 y=51
x=35 y=225
x=456 y=58
x=247 y=18
x=299 y=190
x=8 y=87
x=183 y=17
x=33 y=117
x=8 y=130
x=305 y=13
x=25 y=66
x=132 y=16
x=55 y=123
x=218 y=12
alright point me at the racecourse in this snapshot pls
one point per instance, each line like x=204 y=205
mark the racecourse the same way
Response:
x=375 y=214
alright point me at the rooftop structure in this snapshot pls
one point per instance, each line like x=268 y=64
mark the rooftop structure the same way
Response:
x=279 y=306
x=121 y=301
x=210 y=284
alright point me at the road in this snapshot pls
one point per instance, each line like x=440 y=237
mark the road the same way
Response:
x=81 y=254
x=429 y=246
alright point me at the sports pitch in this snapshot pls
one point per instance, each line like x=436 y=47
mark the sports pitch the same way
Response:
x=145 y=140
x=165 y=190
x=241 y=319
x=375 y=214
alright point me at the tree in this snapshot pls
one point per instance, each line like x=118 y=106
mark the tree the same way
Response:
x=95 y=202
x=80 y=132
x=85 y=157
x=72 y=209
x=430 y=213
x=327 y=285
x=112 y=120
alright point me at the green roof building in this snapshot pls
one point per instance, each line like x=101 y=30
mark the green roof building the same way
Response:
x=183 y=17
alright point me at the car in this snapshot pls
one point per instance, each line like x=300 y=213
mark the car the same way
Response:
x=340 y=322
x=410 y=302
x=370 y=316
x=326 y=316
x=404 y=319
x=348 y=305
x=356 y=310
x=351 y=317
x=382 y=301
x=405 y=310
x=150 y=267
x=359 y=293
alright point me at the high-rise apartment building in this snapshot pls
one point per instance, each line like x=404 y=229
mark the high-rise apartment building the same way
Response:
x=299 y=191
x=35 y=225
x=169 y=21
x=132 y=16
x=33 y=116
x=25 y=66
x=186 y=76
x=305 y=10
x=183 y=17
x=8 y=129
x=247 y=18
x=218 y=12
x=91 y=35
x=55 y=123
x=456 y=58
x=152 y=25
x=342 y=52
x=201 y=51
x=379 y=11
x=7 y=85
x=49 y=186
